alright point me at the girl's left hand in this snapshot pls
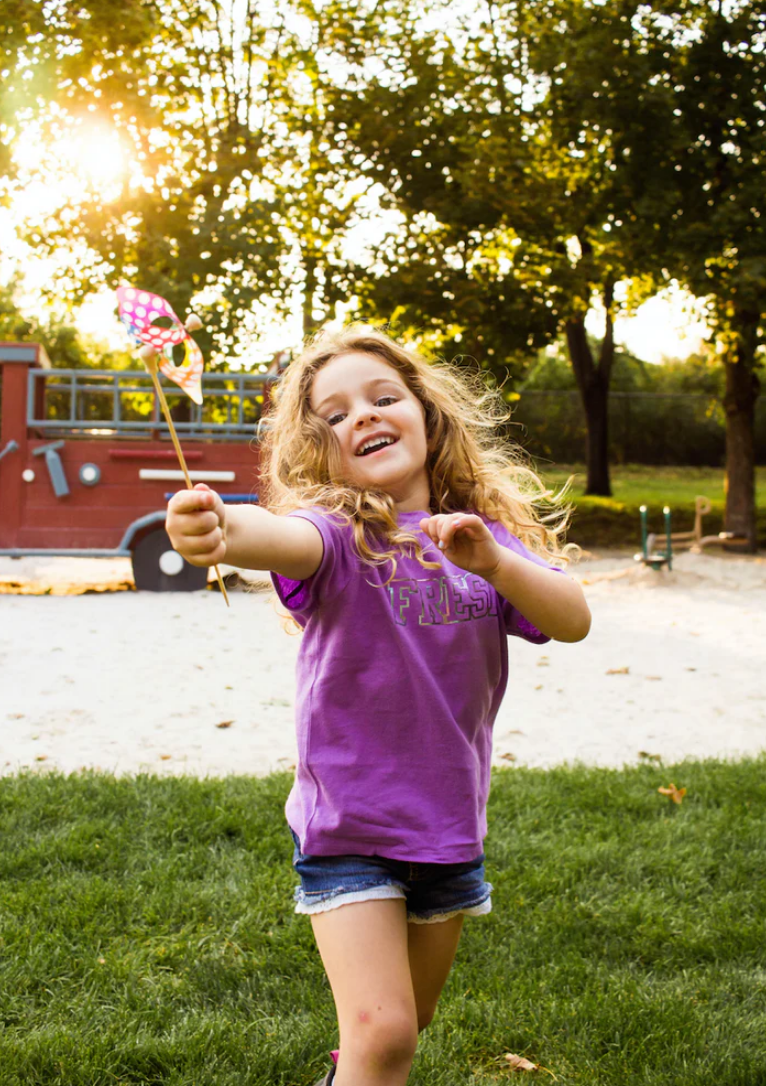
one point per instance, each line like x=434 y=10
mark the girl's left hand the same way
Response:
x=465 y=539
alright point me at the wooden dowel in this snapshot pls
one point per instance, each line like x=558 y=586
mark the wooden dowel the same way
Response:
x=181 y=460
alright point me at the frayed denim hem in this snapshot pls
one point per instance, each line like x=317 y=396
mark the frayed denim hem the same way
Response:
x=382 y=893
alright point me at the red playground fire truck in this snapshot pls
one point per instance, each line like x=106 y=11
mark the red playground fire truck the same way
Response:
x=87 y=464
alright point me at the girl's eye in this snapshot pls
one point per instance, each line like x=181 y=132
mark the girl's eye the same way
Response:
x=333 y=420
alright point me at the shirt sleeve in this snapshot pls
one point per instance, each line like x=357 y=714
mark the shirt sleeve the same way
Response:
x=516 y=625
x=302 y=598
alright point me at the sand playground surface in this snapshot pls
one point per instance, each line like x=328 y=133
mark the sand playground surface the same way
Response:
x=94 y=674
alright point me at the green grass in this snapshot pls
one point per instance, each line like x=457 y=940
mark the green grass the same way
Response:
x=615 y=521
x=148 y=934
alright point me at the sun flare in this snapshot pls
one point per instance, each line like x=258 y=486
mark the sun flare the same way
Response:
x=82 y=161
x=97 y=153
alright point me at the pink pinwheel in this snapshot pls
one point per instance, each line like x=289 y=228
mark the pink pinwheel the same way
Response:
x=139 y=309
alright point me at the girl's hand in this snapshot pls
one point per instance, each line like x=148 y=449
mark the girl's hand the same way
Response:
x=196 y=524
x=465 y=540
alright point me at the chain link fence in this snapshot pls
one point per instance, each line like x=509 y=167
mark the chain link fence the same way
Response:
x=644 y=427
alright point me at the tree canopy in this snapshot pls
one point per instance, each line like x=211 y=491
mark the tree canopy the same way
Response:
x=530 y=158
x=231 y=193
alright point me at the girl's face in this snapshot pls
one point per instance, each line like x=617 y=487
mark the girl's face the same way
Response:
x=379 y=424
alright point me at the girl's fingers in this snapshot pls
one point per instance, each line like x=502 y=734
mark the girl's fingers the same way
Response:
x=428 y=527
x=442 y=528
x=467 y=523
x=204 y=545
x=447 y=530
x=201 y=523
x=205 y=497
x=433 y=528
x=190 y=501
x=193 y=501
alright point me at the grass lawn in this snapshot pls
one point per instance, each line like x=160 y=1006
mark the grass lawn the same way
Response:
x=147 y=934
x=615 y=521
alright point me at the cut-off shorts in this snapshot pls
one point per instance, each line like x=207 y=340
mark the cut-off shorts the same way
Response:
x=433 y=892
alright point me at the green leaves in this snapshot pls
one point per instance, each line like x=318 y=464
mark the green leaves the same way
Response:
x=534 y=154
x=231 y=192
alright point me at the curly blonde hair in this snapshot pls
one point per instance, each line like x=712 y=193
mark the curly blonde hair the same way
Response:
x=470 y=467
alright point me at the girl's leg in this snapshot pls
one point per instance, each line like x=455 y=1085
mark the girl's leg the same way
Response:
x=364 y=948
x=432 y=949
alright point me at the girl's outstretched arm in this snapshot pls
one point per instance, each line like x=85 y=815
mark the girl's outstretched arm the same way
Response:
x=554 y=604
x=207 y=532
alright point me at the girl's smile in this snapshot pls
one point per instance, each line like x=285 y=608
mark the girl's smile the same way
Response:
x=379 y=424
x=376 y=444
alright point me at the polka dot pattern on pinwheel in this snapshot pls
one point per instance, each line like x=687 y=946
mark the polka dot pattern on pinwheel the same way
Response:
x=139 y=310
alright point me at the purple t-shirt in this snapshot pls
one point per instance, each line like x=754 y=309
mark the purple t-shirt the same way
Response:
x=398 y=687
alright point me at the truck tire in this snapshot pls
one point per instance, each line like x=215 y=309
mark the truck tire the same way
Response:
x=158 y=568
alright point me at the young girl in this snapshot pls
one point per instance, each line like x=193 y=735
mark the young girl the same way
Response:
x=404 y=540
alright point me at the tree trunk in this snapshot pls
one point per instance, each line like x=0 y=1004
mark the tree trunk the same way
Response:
x=593 y=383
x=742 y=388
x=597 y=445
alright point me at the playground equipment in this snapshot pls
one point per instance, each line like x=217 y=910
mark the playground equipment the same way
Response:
x=87 y=466
x=693 y=541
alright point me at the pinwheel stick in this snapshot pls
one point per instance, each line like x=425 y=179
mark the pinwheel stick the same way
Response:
x=149 y=359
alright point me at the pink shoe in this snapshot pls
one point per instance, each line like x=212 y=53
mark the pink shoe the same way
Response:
x=330 y=1076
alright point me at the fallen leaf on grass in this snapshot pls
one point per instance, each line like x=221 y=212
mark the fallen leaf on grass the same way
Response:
x=676 y=794
x=509 y=757
x=225 y=724
x=618 y=671
x=41 y=758
x=519 y=1063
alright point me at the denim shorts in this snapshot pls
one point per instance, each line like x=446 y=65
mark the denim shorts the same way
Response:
x=433 y=892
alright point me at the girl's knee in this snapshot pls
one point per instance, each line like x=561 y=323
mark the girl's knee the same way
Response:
x=383 y=1040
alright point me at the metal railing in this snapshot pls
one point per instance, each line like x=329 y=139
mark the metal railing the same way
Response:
x=111 y=402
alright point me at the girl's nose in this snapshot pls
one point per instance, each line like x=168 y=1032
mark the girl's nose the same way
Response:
x=368 y=414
